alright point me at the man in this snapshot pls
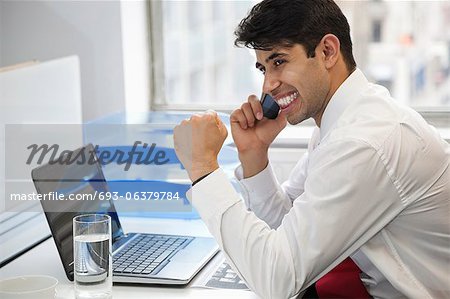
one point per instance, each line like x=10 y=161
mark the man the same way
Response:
x=374 y=185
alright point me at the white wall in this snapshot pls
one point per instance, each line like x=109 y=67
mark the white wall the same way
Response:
x=92 y=30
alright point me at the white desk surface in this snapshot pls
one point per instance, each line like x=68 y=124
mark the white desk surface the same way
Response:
x=44 y=260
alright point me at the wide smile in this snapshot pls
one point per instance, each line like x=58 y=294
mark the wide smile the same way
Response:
x=286 y=100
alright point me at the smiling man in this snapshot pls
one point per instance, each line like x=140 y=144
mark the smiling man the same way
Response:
x=372 y=190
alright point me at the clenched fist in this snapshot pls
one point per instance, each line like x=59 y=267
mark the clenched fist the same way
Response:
x=198 y=141
x=253 y=134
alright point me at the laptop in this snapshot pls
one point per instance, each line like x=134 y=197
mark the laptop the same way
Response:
x=137 y=257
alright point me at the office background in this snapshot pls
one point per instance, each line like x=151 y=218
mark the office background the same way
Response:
x=179 y=54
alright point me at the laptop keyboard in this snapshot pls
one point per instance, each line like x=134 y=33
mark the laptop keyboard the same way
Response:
x=226 y=278
x=148 y=254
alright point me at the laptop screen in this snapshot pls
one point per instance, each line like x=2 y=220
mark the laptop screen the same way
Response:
x=79 y=181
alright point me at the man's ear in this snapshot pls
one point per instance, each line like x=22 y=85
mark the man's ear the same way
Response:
x=330 y=50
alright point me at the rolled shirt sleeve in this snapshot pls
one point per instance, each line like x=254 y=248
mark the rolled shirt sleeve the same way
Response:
x=264 y=196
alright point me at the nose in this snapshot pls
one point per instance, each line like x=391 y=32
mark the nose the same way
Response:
x=271 y=82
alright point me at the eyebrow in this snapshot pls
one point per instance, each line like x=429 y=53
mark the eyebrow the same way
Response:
x=274 y=55
x=271 y=57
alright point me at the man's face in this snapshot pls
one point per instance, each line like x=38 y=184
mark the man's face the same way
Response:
x=300 y=85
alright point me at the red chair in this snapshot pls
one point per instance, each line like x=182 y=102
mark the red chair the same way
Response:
x=342 y=282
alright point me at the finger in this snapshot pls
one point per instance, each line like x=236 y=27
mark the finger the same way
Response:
x=248 y=112
x=219 y=122
x=212 y=112
x=223 y=130
x=195 y=116
x=281 y=120
x=238 y=117
x=215 y=116
x=256 y=106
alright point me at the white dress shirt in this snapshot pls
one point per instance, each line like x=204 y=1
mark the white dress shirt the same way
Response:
x=374 y=185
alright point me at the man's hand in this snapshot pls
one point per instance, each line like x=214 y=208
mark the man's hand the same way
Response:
x=198 y=141
x=253 y=135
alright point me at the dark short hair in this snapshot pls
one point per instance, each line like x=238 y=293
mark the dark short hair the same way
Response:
x=273 y=23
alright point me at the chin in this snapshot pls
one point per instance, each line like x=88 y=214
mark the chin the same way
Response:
x=295 y=119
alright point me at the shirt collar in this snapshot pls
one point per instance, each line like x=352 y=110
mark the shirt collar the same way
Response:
x=341 y=99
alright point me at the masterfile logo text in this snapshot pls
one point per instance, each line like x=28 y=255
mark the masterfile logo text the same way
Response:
x=140 y=153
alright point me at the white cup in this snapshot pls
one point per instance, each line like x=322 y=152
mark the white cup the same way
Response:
x=28 y=286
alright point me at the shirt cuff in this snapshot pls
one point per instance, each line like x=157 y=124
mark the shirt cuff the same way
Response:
x=259 y=186
x=200 y=178
x=213 y=195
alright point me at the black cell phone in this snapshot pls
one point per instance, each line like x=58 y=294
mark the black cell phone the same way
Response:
x=270 y=107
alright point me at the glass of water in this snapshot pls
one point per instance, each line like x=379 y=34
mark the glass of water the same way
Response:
x=92 y=256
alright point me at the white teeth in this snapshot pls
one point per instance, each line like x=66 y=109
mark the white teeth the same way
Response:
x=283 y=102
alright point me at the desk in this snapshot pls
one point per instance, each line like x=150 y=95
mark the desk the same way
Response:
x=44 y=259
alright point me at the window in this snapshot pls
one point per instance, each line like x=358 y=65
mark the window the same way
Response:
x=408 y=51
x=399 y=44
x=200 y=64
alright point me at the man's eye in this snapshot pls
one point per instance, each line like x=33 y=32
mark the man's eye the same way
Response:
x=279 y=62
x=263 y=71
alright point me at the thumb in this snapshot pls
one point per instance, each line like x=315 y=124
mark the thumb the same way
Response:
x=281 y=120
